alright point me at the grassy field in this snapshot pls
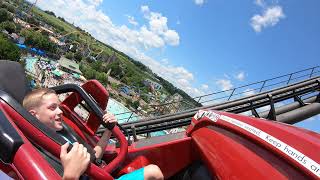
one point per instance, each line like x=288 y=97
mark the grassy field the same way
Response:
x=53 y=20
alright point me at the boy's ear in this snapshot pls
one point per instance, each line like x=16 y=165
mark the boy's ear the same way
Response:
x=33 y=112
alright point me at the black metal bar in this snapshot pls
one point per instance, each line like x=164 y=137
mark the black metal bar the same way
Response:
x=84 y=106
x=134 y=133
x=261 y=81
x=253 y=110
x=298 y=99
x=289 y=78
x=231 y=94
x=166 y=125
x=264 y=82
x=84 y=95
x=130 y=117
x=272 y=113
x=160 y=128
x=312 y=72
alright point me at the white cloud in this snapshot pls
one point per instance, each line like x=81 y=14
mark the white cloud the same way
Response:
x=260 y=3
x=133 y=42
x=172 y=37
x=165 y=61
x=224 y=84
x=204 y=87
x=150 y=39
x=145 y=9
x=249 y=92
x=131 y=20
x=95 y=2
x=240 y=76
x=158 y=24
x=179 y=76
x=270 y=17
x=199 y=2
x=226 y=76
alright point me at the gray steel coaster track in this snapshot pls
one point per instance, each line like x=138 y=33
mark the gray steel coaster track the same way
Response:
x=297 y=111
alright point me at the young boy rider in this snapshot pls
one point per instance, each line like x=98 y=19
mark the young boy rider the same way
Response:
x=44 y=105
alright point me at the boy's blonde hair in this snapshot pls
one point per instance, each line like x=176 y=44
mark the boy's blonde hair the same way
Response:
x=33 y=99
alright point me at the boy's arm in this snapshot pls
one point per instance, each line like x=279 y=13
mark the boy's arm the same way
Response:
x=75 y=162
x=103 y=142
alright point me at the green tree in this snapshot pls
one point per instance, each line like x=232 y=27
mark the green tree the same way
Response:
x=7 y=6
x=8 y=50
x=18 y=27
x=114 y=86
x=135 y=104
x=8 y=26
x=69 y=55
x=50 y=12
x=145 y=98
x=97 y=65
x=32 y=20
x=4 y=15
x=36 y=39
x=78 y=56
x=74 y=48
x=116 y=70
x=10 y=8
x=62 y=19
x=89 y=73
x=102 y=77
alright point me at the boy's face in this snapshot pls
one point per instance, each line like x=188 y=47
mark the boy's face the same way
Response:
x=49 y=112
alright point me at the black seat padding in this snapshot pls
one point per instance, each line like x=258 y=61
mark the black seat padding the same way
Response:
x=10 y=140
x=13 y=79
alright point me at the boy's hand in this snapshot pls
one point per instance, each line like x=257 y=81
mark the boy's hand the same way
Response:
x=108 y=117
x=75 y=162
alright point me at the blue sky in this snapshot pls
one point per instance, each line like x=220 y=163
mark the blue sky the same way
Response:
x=204 y=46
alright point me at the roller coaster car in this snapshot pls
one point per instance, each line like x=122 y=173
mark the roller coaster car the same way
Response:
x=217 y=145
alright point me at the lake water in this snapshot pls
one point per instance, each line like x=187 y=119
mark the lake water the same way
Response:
x=30 y=63
x=122 y=113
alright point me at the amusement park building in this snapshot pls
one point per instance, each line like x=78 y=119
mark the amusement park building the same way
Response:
x=69 y=65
